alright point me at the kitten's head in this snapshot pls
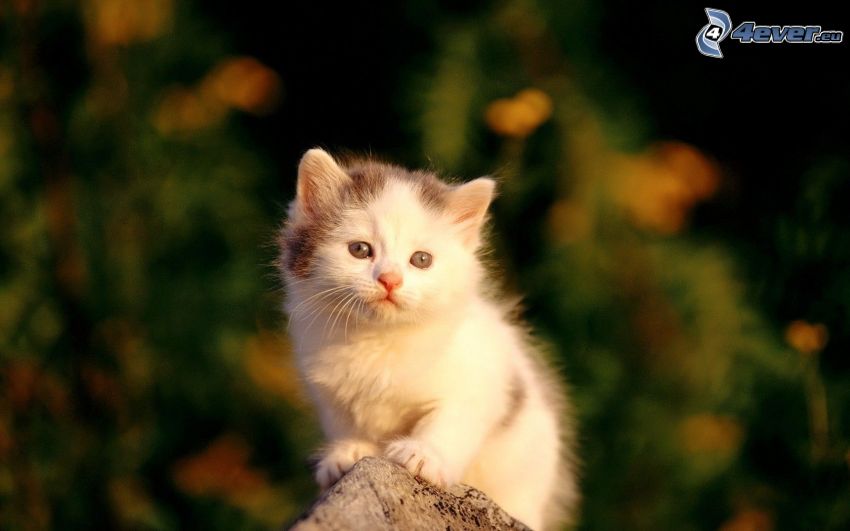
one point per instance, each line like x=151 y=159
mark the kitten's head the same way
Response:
x=373 y=242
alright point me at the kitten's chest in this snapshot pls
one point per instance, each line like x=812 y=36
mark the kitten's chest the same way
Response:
x=382 y=386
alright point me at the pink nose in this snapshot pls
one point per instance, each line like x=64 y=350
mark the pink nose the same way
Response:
x=390 y=281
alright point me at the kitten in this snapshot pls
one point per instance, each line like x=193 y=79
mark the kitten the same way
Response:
x=401 y=351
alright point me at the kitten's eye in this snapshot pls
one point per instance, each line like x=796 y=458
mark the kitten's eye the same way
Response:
x=360 y=249
x=421 y=259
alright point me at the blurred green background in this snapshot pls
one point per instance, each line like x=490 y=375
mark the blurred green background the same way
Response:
x=680 y=227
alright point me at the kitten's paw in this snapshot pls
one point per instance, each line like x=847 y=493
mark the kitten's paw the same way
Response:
x=420 y=460
x=339 y=457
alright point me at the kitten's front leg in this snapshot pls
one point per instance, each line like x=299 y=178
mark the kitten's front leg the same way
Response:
x=442 y=446
x=339 y=456
x=344 y=448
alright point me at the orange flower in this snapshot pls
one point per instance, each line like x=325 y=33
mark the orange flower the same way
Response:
x=519 y=116
x=221 y=470
x=243 y=83
x=125 y=21
x=658 y=188
x=807 y=338
x=237 y=83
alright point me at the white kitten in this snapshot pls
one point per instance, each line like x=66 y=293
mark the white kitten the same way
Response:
x=401 y=351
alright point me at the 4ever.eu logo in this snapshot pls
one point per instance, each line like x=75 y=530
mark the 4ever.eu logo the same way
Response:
x=720 y=26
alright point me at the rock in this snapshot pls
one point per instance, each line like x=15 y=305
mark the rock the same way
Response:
x=377 y=495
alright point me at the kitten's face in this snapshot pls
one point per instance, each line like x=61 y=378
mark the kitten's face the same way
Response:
x=395 y=258
x=379 y=244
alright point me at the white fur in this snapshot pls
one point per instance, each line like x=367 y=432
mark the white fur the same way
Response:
x=425 y=382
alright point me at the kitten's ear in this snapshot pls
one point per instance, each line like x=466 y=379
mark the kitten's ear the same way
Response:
x=468 y=207
x=319 y=181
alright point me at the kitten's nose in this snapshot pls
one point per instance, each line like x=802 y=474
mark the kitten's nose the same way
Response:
x=390 y=280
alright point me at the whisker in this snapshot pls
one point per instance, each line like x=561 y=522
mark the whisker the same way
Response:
x=313 y=304
x=322 y=306
x=318 y=312
x=357 y=315
x=323 y=292
x=347 y=317
x=343 y=302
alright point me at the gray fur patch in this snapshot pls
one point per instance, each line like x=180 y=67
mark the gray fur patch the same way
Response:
x=517 y=395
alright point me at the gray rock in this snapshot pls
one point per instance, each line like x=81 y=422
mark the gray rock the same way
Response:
x=377 y=495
